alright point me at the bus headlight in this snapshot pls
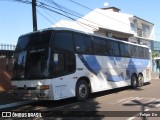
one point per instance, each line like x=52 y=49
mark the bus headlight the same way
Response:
x=42 y=87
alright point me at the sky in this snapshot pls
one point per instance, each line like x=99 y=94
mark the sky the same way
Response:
x=16 y=18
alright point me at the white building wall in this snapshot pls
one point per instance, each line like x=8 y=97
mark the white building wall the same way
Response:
x=100 y=33
x=108 y=19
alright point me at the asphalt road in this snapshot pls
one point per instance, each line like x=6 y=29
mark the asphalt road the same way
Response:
x=119 y=104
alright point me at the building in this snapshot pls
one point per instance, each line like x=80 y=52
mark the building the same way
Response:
x=112 y=23
x=156 y=56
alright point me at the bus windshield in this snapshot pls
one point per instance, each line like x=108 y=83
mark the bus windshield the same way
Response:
x=31 y=59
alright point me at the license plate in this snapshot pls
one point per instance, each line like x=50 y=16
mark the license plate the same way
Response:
x=27 y=94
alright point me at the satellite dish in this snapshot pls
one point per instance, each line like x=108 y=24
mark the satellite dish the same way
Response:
x=106 y=4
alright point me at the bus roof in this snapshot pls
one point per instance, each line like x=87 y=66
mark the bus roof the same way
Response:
x=78 y=31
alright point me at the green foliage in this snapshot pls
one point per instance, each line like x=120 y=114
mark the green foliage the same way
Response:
x=155 y=54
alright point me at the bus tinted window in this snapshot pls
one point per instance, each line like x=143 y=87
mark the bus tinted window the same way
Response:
x=34 y=40
x=146 y=53
x=112 y=48
x=63 y=40
x=70 y=62
x=141 y=52
x=133 y=51
x=58 y=62
x=116 y=49
x=124 y=48
x=63 y=63
x=83 y=43
x=99 y=45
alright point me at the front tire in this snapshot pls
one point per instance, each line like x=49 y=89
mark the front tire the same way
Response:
x=82 y=90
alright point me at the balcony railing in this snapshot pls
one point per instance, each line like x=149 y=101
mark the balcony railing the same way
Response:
x=143 y=34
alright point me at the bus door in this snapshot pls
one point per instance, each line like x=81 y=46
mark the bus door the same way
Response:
x=64 y=66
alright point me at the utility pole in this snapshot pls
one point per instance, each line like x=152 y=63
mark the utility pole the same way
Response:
x=34 y=15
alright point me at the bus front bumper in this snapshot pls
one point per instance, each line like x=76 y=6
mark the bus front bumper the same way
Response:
x=32 y=94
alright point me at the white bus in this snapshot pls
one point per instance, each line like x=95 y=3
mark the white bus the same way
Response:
x=59 y=63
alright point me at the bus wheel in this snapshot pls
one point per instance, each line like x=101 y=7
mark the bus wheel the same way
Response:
x=82 y=90
x=134 y=81
x=140 y=80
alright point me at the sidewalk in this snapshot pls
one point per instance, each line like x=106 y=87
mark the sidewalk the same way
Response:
x=155 y=75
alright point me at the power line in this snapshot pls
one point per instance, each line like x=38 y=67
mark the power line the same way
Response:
x=63 y=8
x=43 y=5
x=44 y=16
x=96 y=11
x=67 y=13
x=81 y=5
x=51 y=16
x=77 y=16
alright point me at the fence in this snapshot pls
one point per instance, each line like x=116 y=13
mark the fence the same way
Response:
x=6 y=50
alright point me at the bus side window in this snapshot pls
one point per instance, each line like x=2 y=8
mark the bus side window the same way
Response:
x=133 y=51
x=63 y=41
x=110 y=47
x=99 y=46
x=63 y=63
x=83 y=43
x=116 y=49
x=124 y=50
x=58 y=63
x=71 y=63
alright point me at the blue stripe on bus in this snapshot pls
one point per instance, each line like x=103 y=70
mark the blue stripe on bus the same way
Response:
x=137 y=63
x=91 y=63
x=134 y=66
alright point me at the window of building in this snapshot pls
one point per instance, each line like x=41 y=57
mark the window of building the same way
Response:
x=133 y=27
